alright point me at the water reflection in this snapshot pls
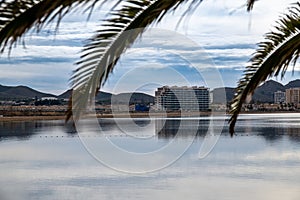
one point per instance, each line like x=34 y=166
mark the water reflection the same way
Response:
x=24 y=130
x=271 y=134
x=293 y=134
x=165 y=128
x=21 y=130
x=271 y=130
x=276 y=134
x=261 y=162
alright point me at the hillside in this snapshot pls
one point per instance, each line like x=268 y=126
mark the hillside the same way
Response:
x=101 y=96
x=8 y=93
x=264 y=93
x=65 y=95
x=293 y=84
x=132 y=98
x=105 y=97
x=20 y=92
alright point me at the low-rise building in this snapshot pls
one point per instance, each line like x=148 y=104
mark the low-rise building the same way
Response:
x=279 y=97
x=49 y=98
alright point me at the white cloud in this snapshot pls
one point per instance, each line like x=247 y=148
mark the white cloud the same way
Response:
x=48 y=77
x=46 y=52
x=225 y=35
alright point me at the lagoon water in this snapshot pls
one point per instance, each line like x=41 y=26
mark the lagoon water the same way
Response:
x=49 y=160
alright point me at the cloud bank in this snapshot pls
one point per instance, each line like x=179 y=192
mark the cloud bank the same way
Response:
x=222 y=29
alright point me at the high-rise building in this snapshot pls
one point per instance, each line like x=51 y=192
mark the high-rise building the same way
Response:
x=279 y=97
x=293 y=96
x=182 y=98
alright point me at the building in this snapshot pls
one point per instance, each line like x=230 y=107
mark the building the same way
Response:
x=141 y=108
x=49 y=98
x=182 y=98
x=279 y=97
x=292 y=96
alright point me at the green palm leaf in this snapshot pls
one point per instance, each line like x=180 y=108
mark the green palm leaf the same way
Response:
x=280 y=49
x=18 y=17
x=250 y=4
x=123 y=27
x=105 y=48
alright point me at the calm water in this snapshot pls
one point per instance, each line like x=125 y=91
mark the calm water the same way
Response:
x=48 y=160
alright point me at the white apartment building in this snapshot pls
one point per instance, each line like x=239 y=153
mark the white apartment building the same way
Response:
x=182 y=98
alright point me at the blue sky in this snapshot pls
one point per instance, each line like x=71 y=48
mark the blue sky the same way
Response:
x=224 y=36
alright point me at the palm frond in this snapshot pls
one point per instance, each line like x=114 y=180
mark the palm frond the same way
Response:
x=280 y=49
x=250 y=4
x=17 y=17
x=121 y=30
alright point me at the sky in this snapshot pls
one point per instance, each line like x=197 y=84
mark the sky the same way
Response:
x=210 y=48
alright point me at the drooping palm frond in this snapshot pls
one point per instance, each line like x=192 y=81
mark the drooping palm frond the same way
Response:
x=19 y=16
x=250 y=4
x=10 y=9
x=100 y=55
x=280 y=49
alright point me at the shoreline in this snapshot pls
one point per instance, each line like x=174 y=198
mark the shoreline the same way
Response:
x=133 y=115
x=105 y=116
x=31 y=118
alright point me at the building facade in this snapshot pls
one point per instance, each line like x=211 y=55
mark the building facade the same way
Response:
x=292 y=96
x=279 y=97
x=182 y=98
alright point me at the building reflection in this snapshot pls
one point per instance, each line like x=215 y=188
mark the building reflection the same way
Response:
x=20 y=130
x=293 y=134
x=276 y=134
x=171 y=127
x=271 y=134
x=24 y=130
x=165 y=128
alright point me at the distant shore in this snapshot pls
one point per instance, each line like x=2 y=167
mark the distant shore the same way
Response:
x=107 y=115
x=30 y=118
x=133 y=115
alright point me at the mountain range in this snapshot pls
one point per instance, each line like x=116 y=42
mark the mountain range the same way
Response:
x=20 y=92
x=264 y=93
x=23 y=92
x=106 y=98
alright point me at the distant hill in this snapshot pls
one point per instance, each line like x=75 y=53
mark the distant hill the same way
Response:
x=65 y=95
x=20 y=92
x=133 y=98
x=264 y=93
x=23 y=92
x=105 y=97
x=293 y=84
x=4 y=88
x=101 y=96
